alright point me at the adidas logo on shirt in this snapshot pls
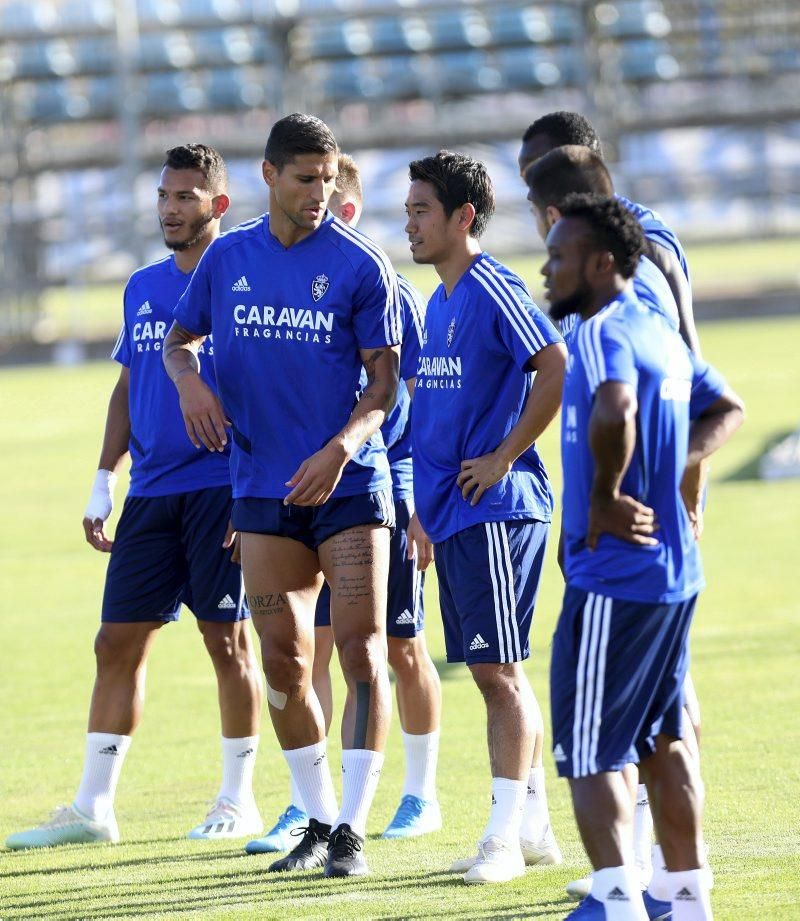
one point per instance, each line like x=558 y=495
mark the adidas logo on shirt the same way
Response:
x=478 y=642
x=684 y=895
x=240 y=285
x=226 y=604
x=558 y=753
x=405 y=618
x=145 y=308
x=617 y=895
x=109 y=750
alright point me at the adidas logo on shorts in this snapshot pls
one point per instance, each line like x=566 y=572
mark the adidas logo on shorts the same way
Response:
x=558 y=753
x=145 y=308
x=226 y=604
x=617 y=895
x=478 y=642
x=240 y=285
x=684 y=895
x=405 y=618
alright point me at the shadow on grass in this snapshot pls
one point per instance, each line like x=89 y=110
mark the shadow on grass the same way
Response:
x=749 y=470
x=236 y=889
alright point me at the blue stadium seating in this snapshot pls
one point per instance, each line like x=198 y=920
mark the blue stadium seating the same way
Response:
x=171 y=93
x=82 y=16
x=512 y=25
x=631 y=18
x=235 y=88
x=643 y=60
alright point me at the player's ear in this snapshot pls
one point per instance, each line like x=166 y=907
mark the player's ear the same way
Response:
x=347 y=212
x=552 y=215
x=270 y=172
x=603 y=262
x=466 y=216
x=220 y=204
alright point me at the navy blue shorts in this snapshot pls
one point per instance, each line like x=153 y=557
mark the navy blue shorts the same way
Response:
x=405 y=613
x=616 y=680
x=167 y=552
x=313 y=525
x=488 y=581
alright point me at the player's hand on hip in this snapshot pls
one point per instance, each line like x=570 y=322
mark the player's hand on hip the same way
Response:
x=98 y=509
x=231 y=541
x=479 y=473
x=419 y=544
x=623 y=517
x=202 y=411
x=316 y=478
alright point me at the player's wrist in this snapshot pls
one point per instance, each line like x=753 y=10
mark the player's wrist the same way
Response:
x=101 y=498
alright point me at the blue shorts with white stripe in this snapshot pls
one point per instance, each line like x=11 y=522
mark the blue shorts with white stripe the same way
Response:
x=488 y=581
x=616 y=680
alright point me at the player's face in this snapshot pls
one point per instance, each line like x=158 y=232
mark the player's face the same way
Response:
x=532 y=150
x=301 y=190
x=566 y=282
x=186 y=208
x=430 y=232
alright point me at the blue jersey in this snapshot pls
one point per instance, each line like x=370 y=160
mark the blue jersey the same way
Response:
x=629 y=343
x=656 y=230
x=163 y=460
x=472 y=385
x=288 y=325
x=396 y=430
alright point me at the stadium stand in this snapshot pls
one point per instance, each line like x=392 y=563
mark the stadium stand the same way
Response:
x=110 y=89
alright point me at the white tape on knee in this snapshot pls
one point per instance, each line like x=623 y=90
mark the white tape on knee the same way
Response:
x=276 y=698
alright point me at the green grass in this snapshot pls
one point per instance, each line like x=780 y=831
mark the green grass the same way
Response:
x=745 y=267
x=745 y=645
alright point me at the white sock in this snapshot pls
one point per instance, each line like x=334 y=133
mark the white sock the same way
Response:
x=659 y=886
x=311 y=772
x=535 y=816
x=508 y=802
x=422 y=753
x=619 y=890
x=297 y=796
x=689 y=896
x=643 y=835
x=105 y=754
x=361 y=771
x=238 y=764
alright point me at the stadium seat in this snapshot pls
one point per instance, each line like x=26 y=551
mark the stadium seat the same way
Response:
x=170 y=93
x=642 y=60
x=514 y=25
x=632 y=18
x=82 y=16
x=235 y=88
x=388 y=35
x=465 y=73
x=452 y=29
x=94 y=55
x=21 y=19
x=526 y=68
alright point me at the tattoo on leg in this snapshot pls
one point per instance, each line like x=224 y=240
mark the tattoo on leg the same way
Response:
x=363 y=692
x=266 y=604
x=352 y=548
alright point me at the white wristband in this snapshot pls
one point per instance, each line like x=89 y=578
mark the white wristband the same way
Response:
x=101 y=500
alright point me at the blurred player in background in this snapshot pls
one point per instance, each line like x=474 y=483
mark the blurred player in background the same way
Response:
x=299 y=303
x=418 y=689
x=172 y=544
x=481 y=491
x=640 y=413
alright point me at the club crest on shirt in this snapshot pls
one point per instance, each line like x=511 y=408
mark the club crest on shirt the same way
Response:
x=319 y=286
x=451 y=331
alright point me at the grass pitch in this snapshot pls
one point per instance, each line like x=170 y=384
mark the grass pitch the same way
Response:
x=745 y=646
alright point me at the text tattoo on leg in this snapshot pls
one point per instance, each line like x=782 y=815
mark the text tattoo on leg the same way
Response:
x=267 y=604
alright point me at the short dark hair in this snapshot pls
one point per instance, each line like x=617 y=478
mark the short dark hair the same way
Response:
x=611 y=226
x=203 y=158
x=297 y=134
x=564 y=171
x=458 y=180
x=348 y=182
x=565 y=128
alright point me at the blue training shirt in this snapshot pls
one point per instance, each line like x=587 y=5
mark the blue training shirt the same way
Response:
x=163 y=460
x=628 y=342
x=472 y=385
x=396 y=430
x=288 y=325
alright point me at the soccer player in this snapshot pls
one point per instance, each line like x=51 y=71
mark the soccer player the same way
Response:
x=172 y=544
x=418 y=688
x=665 y=260
x=488 y=384
x=662 y=247
x=299 y=303
x=640 y=413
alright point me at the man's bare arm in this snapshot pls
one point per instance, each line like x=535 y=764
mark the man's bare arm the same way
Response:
x=669 y=266
x=116 y=437
x=479 y=473
x=316 y=478
x=612 y=439
x=202 y=411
